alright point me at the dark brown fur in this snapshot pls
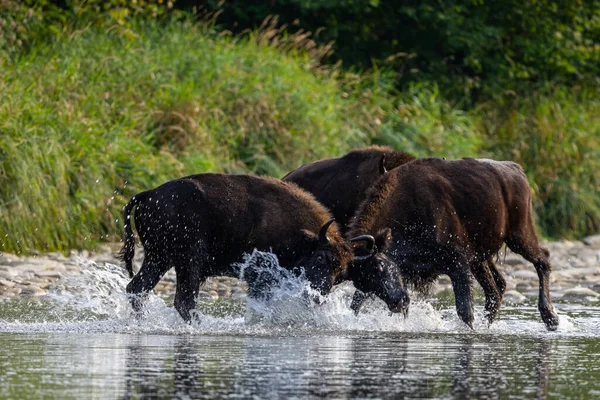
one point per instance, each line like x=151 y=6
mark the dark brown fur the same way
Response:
x=451 y=217
x=202 y=224
x=340 y=184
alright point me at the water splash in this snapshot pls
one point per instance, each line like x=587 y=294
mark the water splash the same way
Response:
x=98 y=289
x=95 y=301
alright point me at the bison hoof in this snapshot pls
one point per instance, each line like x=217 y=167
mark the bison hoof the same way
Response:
x=551 y=322
x=549 y=317
x=469 y=322
x=491 y=317
x=137 y=302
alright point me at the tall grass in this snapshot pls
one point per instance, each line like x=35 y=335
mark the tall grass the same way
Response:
x=92 y=115
x=424 y=124
x=555 y=135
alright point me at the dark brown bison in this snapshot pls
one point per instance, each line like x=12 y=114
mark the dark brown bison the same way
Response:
x=203 y=224
x=451 y=217
x=341 y=184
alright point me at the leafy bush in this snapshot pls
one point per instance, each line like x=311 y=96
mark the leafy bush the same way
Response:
x=466 y=46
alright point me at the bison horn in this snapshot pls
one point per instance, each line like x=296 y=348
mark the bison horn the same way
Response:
x=370 y=247
x=323 y=239
x=365 y=238
x=382 y=169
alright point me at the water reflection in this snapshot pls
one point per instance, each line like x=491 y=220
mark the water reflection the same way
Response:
x=176 y=372
x=342 y=367
x=543 y=368
x=187 y=374
x=309 y=366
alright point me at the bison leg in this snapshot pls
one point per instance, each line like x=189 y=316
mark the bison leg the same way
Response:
x=484 y=275
x=145 y=280
x=498 y=278
x=357 y=301
x=543 y=268
x=539 y=256
x=189 y=279
x=461 y=283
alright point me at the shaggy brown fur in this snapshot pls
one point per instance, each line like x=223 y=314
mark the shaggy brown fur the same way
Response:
x=202 y=224
x=340 y=184
x=451 y=217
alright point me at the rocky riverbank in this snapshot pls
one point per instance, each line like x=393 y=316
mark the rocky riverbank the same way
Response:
x=575 y=276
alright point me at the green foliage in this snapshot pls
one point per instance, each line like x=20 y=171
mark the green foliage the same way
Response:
x=466 y=46
x=23 y=22
x=423 y=124
x=97 y=106
x=555 y=135
x=84 y=126
x=18 y=22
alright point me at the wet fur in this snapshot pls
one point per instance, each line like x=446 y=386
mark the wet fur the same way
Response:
x=452 y=217
x=340 y=184
x=202 y=224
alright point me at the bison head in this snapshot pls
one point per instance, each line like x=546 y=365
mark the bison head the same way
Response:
x=327 y=260
x=372 y=272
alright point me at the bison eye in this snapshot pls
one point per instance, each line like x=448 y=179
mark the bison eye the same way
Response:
x=320 y=258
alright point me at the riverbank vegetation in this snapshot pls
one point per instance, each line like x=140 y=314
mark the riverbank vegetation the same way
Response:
x=101 y=102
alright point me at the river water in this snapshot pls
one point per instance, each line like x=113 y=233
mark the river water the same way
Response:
x=83 y=341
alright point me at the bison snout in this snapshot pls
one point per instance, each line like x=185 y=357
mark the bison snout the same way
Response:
x=400 y=304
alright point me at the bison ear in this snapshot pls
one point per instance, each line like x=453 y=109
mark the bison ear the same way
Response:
x=383 y=239
x=309 y=236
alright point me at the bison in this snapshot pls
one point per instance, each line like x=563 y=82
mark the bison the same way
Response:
x=433 y=217
x=203 y=224
x=340 y=184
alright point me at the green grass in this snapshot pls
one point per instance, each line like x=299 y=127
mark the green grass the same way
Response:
x=422 y=123
x=91 y=116
x=555 y=135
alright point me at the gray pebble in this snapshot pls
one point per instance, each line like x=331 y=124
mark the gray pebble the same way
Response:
x=48 y=274
x=8 y=273
x=6 y=283
x=580 y=294
x=593 y=240
x=513 y=296
x=589 y=271
x=514 y=261
x=14 y=290
x=33 y=291
x=524 y=274
x=522 y=287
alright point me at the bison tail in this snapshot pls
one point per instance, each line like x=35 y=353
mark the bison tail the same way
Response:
x=128 y=251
